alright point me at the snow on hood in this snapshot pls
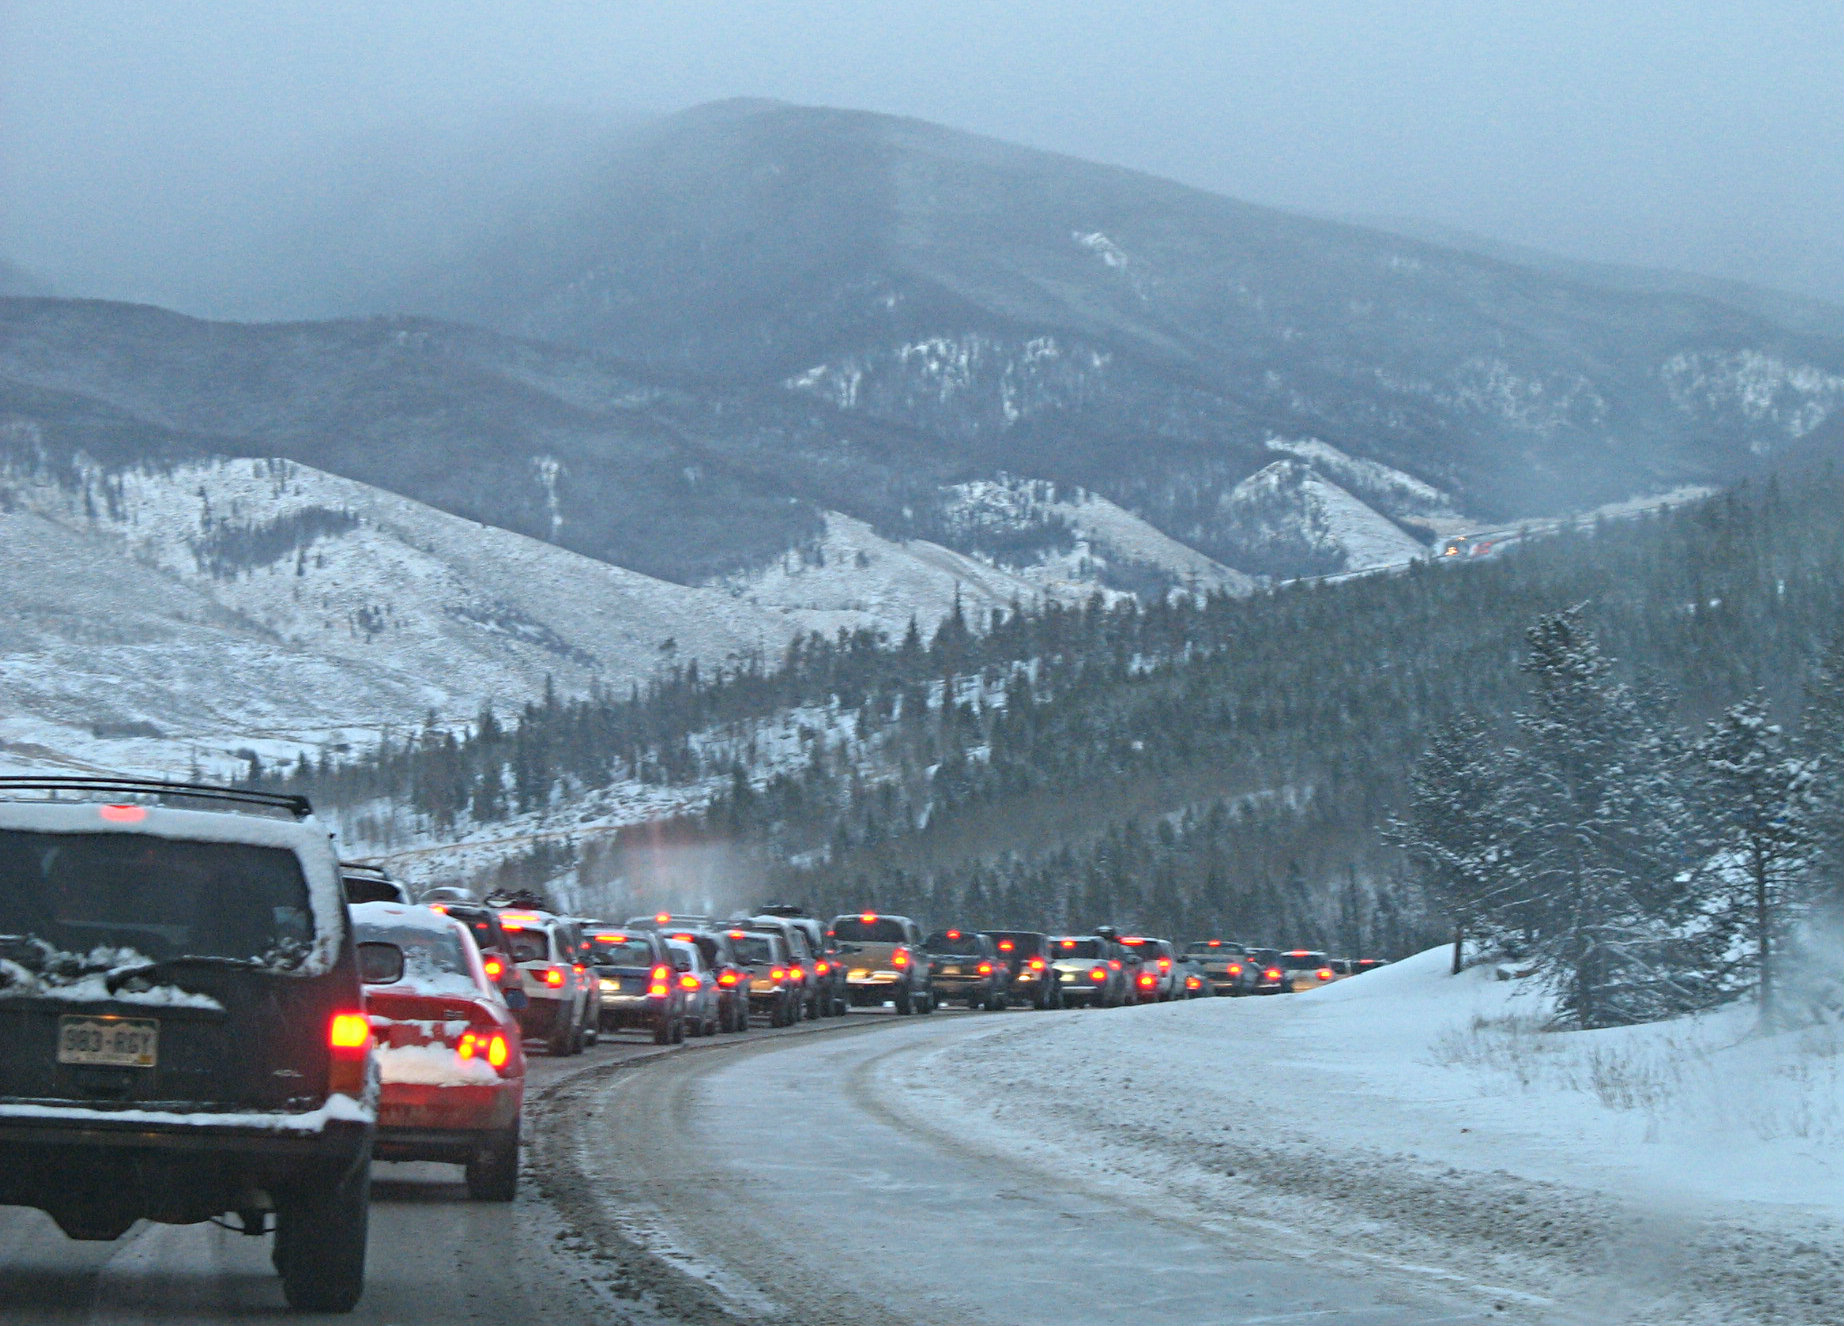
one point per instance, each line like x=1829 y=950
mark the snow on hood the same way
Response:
x=309 y=840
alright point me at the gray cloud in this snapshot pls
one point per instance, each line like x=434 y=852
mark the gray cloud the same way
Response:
x=255 y=160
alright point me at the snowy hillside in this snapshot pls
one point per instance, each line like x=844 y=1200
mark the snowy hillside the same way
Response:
x=1289 y=512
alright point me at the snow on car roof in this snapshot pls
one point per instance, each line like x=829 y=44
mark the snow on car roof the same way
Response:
x=408 y=915
x=310 y=842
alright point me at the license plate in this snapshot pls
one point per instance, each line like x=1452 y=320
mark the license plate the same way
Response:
x=859 y=974
x=109 y=1041
x=950 y=971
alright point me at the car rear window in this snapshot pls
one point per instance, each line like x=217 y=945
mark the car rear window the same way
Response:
x=434 y=960
x=1017 y=945
x=528 y=946
x=1076 y=948
x=1302 y=961
x=162 y=898
x=620 y=951
x=858 y=930
x=754 y=948
x=1203 y=948
x=961 y=942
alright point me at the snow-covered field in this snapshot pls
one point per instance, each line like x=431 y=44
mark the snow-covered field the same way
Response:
x=1679 y=1172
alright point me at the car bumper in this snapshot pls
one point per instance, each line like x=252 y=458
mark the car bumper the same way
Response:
x=421 y=1108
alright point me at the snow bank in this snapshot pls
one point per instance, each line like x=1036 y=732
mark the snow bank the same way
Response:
x=1429 y=1118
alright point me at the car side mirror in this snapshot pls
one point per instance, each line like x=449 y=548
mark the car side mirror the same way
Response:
x=515 y=998
x=380 y=963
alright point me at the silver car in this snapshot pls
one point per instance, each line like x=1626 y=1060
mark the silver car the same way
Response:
x=698 y=985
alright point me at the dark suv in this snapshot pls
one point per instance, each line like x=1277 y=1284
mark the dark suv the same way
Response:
x=182 y=1030
x=964 y=964
x=1027 y=954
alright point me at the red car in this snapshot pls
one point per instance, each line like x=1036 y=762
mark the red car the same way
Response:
x=451 y=1068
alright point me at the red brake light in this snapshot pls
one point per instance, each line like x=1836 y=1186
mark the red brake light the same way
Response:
x=1325 y=973
x=495 y=969
x=1235 y=969
x=554 y=977
x=663 y=917
x=1006 y=946
x=869 y=918
x=821 y=968
x=1165 y=964
x=349 y=1039
x=1099 y=976
x=689 y=981
x=1216 y=943
x=1272 y=974
x=123 y=814
x=349 y=1031
x=797 y=974
x=658 y=982
x=953 y=934
x=1037 y=964
x=498 y=1051
x=1148 y=980
x=1114 y=963
x=900 y=958
x=986 y=969
x=778 y=974
x=726 y=977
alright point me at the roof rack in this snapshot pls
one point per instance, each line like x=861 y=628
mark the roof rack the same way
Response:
x=297 y=806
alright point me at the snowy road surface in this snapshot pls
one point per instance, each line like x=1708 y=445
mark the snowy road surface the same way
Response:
x=801 y=1182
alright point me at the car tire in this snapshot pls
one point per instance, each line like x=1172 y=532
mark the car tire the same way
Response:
x=678 y=1030
x=996 y=1004
x=905 y=1003
x=493 y=1174
x=662 y=1030
x=557 y=1044
x=320 y=1243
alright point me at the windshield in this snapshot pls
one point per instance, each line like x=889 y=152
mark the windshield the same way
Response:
x=1012 y=944
x=1212 y=948
x=1076 y=948
x=856 y=929
x=159 y=898
x=620 y=951
x=1301 y=961
x=952 y=942
x=433 y=960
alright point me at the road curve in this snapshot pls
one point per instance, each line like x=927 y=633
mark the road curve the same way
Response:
x=794 y=1182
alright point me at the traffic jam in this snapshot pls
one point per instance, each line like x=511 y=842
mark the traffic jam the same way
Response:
x=205 y=1015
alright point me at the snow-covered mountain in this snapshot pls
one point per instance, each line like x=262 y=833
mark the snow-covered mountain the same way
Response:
x=158 y=616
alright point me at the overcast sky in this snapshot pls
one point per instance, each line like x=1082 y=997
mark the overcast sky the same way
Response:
x=174 y=150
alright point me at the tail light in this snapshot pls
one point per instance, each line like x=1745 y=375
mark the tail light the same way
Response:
x=495 y=969
x=1037 y=964
x=1099 y=976
x=728 y=976
x=659 y=984
x=821 y=968
x=1235 y=969
x=899 y=958
x=1272 y=974
x=554 y=977
x=986 y=969
x=689 y=981
x=797 y=974
x=1325 y=973
x=1165 y=964
x=1148 y=980
x=493 y=1047
x=778 y=974
x=349 y=1041
x=1114 y=963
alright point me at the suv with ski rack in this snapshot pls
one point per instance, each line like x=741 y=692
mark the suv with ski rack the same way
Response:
x=182 y=1030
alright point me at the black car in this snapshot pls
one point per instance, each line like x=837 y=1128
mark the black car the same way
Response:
x=638 y=982
x=828 y=971
x=1026 y=953
x=183 y=1035
x=1270 y=976
x=964 y=964
x=369 y=883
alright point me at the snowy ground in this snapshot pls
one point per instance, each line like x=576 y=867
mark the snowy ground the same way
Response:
x=1686 y=1172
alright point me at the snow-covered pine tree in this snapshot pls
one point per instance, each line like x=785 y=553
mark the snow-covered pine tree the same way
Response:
x=1452 y=830
x=1822 y=743
x=1598 y=833
x=1760 y=793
